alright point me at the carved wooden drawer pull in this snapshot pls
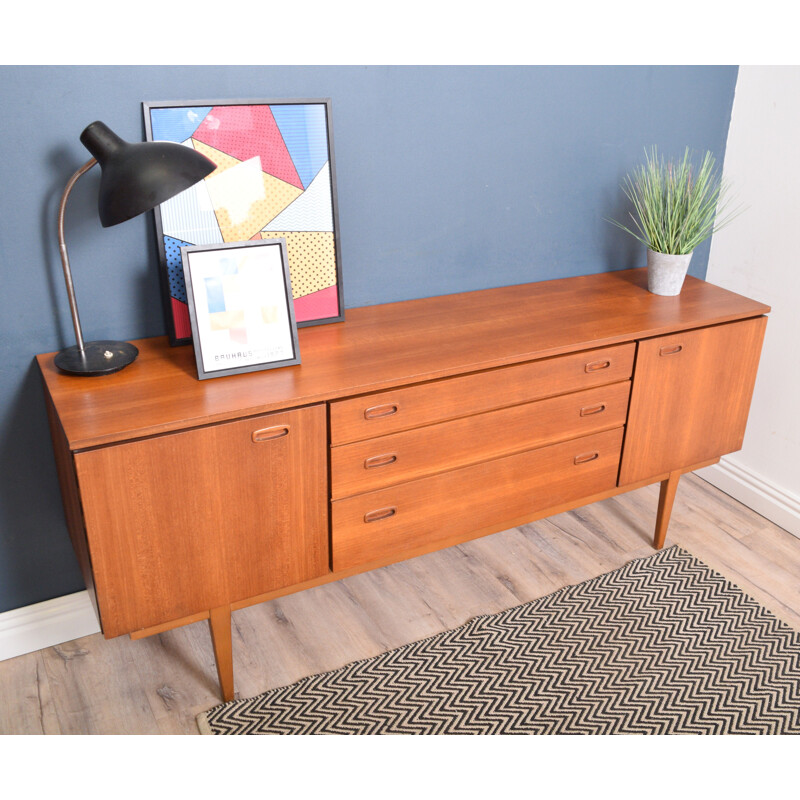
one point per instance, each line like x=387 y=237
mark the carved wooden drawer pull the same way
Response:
x=376 y=412
x=268 y=434
x=596 y=366
x=670 y=350
x=587 y=411
x=379 y=514
x=586 y=457
x=380 y=461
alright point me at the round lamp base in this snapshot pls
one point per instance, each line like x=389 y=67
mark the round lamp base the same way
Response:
x=96 y=358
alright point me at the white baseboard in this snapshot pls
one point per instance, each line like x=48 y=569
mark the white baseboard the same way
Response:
x=766 y=498
x=62 y=619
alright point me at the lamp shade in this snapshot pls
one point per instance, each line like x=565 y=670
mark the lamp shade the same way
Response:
x=138 y=177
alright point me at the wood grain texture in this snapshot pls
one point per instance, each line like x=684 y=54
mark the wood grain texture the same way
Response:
x=26 y=701
x=199 y=497
x=690 y=397
x=178 y=675
x=376 y=463
x=460 y=537
x=83 y=688
x=184 y=523
x=219 y=622
x=70 y=498
x=431 y=510
x=143 y=633
x=414 y=406
x=384 y=346
x=666 y=498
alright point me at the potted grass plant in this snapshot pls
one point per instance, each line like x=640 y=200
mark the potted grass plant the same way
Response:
x=676 y=206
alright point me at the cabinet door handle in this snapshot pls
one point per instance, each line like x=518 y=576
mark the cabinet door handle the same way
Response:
x=267 y=434
x=376 y=412
x=380 y=513
x=670 y=350
x=586 y=457
x=380 y=461
x=587 y=411
x=596 y=366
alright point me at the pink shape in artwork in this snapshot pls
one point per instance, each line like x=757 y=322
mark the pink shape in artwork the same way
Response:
x=317 y=305
x=180 y=318
x=238 y=335
x=245 y=132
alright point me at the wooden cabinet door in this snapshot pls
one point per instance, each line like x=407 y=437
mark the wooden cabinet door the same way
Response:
x=185 y=522
x=690 y=397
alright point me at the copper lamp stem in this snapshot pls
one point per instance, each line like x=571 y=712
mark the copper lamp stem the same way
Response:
x=73 y=306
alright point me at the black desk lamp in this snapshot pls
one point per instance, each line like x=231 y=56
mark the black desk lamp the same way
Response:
x=135 y=178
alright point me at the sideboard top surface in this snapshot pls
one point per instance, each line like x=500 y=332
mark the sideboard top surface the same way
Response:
x=379 y=347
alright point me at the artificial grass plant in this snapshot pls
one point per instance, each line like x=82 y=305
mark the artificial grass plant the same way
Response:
x=676 y=205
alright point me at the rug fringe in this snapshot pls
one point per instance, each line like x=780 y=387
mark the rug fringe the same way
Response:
x=202 y=724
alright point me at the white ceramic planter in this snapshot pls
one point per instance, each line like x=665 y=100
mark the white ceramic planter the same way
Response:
x=666 y=271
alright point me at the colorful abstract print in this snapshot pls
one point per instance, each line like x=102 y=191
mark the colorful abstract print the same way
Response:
x=273 y=179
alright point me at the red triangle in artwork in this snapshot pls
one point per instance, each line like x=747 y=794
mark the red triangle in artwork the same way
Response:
x=180 y=317
x=323 y=304
x=245 y=132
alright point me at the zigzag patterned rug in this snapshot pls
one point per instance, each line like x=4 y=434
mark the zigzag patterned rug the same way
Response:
x=663 y=645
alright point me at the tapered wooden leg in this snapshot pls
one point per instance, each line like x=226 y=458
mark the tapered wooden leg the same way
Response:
x=665 y=500
x=219 y=621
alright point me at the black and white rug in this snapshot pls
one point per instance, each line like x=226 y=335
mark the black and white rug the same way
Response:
x=663 y=645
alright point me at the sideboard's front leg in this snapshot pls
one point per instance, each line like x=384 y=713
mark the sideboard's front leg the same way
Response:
x=665 y=501
x=219 y=621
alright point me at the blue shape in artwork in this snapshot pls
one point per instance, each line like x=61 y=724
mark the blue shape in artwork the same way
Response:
x=215 y=295
x=172 y=251
x=305 y=132
x=228 y=265
x=176 y=124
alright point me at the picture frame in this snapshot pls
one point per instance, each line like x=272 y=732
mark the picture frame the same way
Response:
x=240 y=307
x=275 y=178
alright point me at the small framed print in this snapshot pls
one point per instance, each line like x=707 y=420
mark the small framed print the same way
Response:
x=240 y=307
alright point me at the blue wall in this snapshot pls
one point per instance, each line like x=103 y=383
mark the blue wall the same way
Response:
x=449 y=178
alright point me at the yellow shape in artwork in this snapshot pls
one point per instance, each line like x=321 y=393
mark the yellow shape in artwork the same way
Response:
x=225 y=320
x=269 y=314
x=312 y=259
x=245 y=198
x=222 y=160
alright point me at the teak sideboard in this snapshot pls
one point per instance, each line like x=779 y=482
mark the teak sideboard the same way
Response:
x=409 y=427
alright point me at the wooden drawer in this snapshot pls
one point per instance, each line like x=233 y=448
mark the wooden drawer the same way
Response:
x=443 y=509
x=402 y=409
x=376 y=463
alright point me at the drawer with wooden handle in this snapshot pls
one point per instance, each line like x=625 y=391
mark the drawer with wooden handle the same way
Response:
x=376 y=463
x=386 y=412
x=443 y=509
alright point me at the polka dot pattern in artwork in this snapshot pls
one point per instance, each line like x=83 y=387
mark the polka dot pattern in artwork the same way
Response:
x=177 y=286
x=312 y=259
x=222 y=160
x=248 y=131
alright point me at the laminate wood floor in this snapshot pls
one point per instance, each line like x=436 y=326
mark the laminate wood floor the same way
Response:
x=158 y=685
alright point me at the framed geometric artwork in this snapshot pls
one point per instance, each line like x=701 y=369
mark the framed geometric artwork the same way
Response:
x=275 y=179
